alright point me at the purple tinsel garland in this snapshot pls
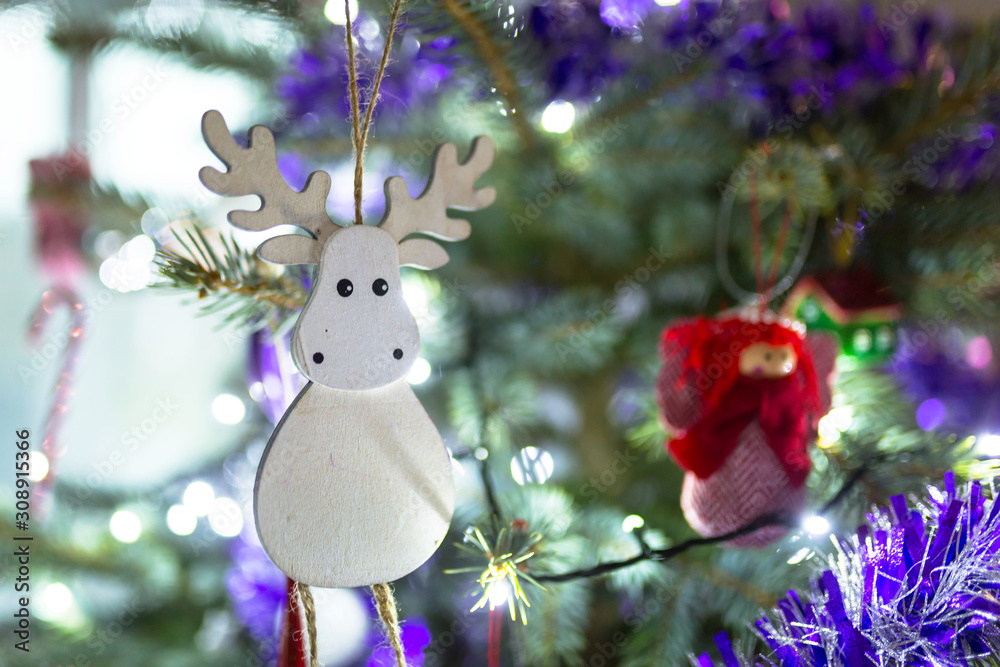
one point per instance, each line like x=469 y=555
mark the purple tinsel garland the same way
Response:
x=914 y=586
x=774 y=59
x=415 y=636
x=257 y=590
x=766 y=60
x=315 y=91
x=272 y=378
x=581 y=51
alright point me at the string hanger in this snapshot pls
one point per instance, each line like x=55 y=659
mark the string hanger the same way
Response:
x=385 y=602
x=767 y=285
x=359 y=131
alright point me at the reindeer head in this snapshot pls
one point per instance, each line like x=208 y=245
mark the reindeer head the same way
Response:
x=355 y=331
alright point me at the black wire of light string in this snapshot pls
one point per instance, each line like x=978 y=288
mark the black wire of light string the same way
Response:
x=773 y=519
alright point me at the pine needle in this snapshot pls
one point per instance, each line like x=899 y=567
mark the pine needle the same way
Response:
x=237 y=282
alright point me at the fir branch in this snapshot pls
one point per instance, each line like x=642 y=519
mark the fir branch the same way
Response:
x=951 y=108
x=638 y=102
x=492 y=55
x=237 y=280
x=199 y=49
x=491 y=496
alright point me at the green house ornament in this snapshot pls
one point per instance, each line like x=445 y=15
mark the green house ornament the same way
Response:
x=855 y=306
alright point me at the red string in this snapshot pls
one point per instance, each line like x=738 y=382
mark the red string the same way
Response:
x=763 y=287
x=779 y=246
x=496 y=630
x=758 y=270
x=293 y=651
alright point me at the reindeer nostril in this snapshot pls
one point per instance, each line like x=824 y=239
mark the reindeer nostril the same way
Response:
x=397 y=353
x=318 y=357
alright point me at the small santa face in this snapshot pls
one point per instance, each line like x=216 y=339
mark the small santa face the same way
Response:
x=763 y=360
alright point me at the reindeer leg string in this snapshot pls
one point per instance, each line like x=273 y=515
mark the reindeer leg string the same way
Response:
x=385 y=604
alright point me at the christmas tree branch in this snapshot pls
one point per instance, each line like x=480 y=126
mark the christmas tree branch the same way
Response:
x=491 y=497
x=718 y=577
x=950 y=108
x=234 y=276
x=637 y=102
x=492 y=55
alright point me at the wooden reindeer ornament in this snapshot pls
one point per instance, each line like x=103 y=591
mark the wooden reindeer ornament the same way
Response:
x=355 y=485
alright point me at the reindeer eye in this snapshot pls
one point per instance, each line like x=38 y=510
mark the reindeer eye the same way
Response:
x=345 y=287
x=380 y=287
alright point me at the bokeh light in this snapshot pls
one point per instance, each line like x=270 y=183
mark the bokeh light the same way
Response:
x=816 y=525
x=228 y=409
x=531 y=465
x=631 y=522
x=558 y=117
x=125 y=526
x=988 y=445
x=54 y=602
x=130 y=269
x=38 y=465
x=198 y=497
x=334 y=11
x=226 y=517
x=930 y=414
x=979 y=352
x=420 y=372
x=181 y=520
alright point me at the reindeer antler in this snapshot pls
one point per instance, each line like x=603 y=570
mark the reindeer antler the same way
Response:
x=451 y=185
x=254 y=171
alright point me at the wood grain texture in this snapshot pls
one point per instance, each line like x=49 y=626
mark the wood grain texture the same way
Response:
x=354 y=488
x=422 y=254
x=451 y=185
x=254 y=171
x=290 y=249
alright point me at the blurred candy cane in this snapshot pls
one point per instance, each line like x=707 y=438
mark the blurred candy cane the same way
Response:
x=52 y=299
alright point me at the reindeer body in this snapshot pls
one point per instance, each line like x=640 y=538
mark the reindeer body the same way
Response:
x=355 y=485
x=378 y=478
